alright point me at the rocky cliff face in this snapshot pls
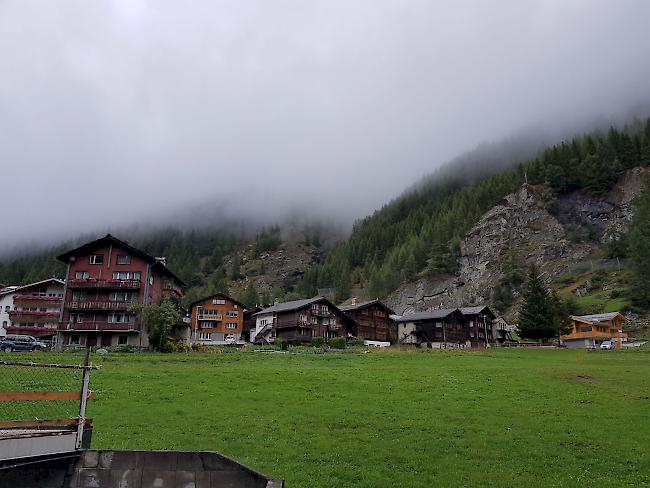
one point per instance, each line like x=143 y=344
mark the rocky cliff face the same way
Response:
x=528 y=227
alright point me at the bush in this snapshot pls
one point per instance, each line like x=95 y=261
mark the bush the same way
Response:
x=354 y=341
x=338 y=343
x=283 y=345
x=317 y=341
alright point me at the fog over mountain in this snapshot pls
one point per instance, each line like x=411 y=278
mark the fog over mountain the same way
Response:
x=135 y=112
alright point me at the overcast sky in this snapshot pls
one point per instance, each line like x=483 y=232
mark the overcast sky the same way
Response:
x=113 y=112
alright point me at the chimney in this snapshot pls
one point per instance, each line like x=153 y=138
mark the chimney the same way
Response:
x=355 y=300
x=161 y=259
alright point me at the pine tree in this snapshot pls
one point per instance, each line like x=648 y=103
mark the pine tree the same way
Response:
x=537 y=317
x=639 y=251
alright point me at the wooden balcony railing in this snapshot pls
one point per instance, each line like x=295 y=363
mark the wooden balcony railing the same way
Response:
x=27 y=296
x=98 y=326
x=593 y=335
x=99 y=305
x=35 y=313
x=105 y=284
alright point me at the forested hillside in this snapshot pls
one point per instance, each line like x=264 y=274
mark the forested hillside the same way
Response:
x=418 y=234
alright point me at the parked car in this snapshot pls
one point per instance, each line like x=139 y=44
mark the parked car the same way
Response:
x=607 y=345
x=21 y=343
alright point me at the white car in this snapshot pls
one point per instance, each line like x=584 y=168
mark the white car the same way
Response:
x=607 y=345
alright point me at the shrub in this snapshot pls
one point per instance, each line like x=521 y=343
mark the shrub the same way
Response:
x=354 y=341
x=283 y=345
x=317 y=341
x=338 y=343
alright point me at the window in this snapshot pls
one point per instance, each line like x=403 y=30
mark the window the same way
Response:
x=135 y=275
x=314 y=320
x=81 y=275
x=231 y=313
x=4 y=323
x=218 y=301
x=205 y=336
x=231 y=325
x=303 y=318
x=118 y=318
x=206 y=325
x=7 y=308
x=121 y=296
x=325 y=308
x=76 y=317
x=439 y=324
x=263 y=322
x=122 y=340
x=96 y=259
x=75 y=339
x=314 y=307
x=123 y=259
x=79 y=296
x=151 y=280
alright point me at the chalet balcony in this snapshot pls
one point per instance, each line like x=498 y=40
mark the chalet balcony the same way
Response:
x=99 y=305
x=98 y=326
x=594 y=335
x=35 y=300
x=16 y=329
x=32 y=316
x=205 y=316
x=104 y=284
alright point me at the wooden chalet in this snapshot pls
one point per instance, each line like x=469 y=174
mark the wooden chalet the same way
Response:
x=217 y=319
x=298 y=321
x=482 y=329
x=439 y=328
x=370 y=320
x=591 y=330
x=103 y=278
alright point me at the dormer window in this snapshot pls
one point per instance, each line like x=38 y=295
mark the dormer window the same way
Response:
x=96 y=259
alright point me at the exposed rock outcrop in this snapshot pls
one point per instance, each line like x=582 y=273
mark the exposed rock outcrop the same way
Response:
x=528 y=227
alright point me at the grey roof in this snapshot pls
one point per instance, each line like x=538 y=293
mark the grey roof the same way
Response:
x=288 y=306
x=598 y=316
x=347 y=308
x=475 y=310
x=433 y=314
x=16 y=289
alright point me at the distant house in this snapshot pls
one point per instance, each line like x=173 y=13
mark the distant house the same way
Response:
x=32 y=309
x=436 y=328
x=451 y=327
x=592 y=330
x=249 y=322
x=482 y=329
x=370 y=320
x=104 y=277
x=298 y=321
x=217 y=319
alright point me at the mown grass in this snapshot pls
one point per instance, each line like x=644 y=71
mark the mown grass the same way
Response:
x=519 y=417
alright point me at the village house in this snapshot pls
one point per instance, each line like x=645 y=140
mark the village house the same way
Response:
x=370 y=320
x=103 y=278
x=249 y=322
x=217 y=320
x=592 y=330
x=439 y=328
x=481 y=327
x=298 y=321
x=32 y=309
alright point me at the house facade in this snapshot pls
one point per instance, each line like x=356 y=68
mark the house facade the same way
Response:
x=32 y=309
x=592 y=330
x=481 y=326
x=298 y=321
x=217 y=320
x=441 y=328
x=370 y=320
x=103 y=279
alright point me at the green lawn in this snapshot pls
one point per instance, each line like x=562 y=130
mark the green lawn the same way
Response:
x=508 y=417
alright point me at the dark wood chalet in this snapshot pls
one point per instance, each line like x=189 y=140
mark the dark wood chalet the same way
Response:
x=298 y=321
x=437 y=328
x=103 y=278
x=370 y=320
x=481 y=327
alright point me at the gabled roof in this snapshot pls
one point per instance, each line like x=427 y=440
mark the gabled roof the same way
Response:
x=477 y=310
x=293 y=305
x=38 y=284
x=595 y=318
x=368 y=303
x=108 y=239
x=222 y=295
x=440 y=313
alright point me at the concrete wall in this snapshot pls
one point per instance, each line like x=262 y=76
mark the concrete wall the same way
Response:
x=136 y=469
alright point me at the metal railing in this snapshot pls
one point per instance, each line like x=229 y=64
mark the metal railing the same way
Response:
x=99 y=305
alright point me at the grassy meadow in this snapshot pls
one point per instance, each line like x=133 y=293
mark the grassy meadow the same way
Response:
x=502 y=417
